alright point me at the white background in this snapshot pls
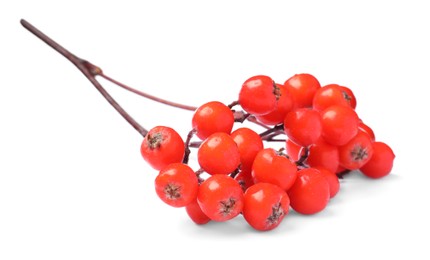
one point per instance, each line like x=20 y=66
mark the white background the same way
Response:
x=73 y=184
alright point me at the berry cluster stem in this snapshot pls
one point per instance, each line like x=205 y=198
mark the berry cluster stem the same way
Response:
x=89 y=70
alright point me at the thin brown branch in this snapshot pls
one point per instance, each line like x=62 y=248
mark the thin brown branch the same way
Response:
x=146 y=95
x=88 y=69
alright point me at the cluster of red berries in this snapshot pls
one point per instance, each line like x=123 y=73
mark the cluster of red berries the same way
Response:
x=325 y=138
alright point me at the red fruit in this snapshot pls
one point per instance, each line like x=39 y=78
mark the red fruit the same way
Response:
x=177 y=185
x=381 y=162
x=302 y=87
x=244 y=178
x=162 y=146
x=294 y=150
x=259 y=95
x=323 y=155
x=196 y=214
x=310 y=193
x=273 y=168
x=365 y=128
x=220 y=197
x=285 y=104
x=219 y=154
x=265 y=206
x=212 y=117
x=357 y=152
x=330 y=95
x=339 y=124
x=349 y=96
x=303 y=126
x=332 y=180
x=249 y=144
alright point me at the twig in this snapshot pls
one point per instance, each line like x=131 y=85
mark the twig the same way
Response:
x=88 y=69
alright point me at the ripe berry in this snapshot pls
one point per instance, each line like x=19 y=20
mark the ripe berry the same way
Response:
x=302 y=87
x=220 y=197
x=212 y=117
x=219 y=154
x=271 y=167
x=325 y=155
x=244 y=178
x=162 y=146
x=332 y=180
x=357 y=152
x=265 y=206
x=381 y=162
x=285 y=104
x=330 y=95
x=349 y=96
x=177 y=185
x=259 y=95
x=294 y=150
x=303 y=126
x=365 y=128
x=339 y=124
x=249 y=144
x=310 y=193
x=196 y=214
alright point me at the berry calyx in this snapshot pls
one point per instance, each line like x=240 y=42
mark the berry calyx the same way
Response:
x=162 y=146
x=176 y=185
x=220 y=197
x=265 y=206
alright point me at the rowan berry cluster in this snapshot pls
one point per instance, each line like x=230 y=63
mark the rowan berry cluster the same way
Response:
x=325 y=138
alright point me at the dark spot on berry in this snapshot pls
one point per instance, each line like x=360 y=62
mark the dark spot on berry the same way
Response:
x=155 y=140
x=227 y=206
x=346 y=96
x=359 y=153
x=276 y=91
x=277 y=213
x=172 y=191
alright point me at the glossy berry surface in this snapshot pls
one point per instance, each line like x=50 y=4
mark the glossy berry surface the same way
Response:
x=381 y=162
x=284 y=105
x=176 y=185
x=259 y=95
x=303 y=126
x=196 y=214
x=219 y=154
x=302 y=87
x=357 y=152
x=265 y=206
x=331 y=95
x=249 y=144
x=211 y=118
x=162 y=146
x=220 y=197
x=339 y=124
x=271 y=167
x=310 y=193
x=322 y=154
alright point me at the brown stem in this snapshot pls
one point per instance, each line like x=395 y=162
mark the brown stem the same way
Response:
x=269 y=132
x=187 y=146
x=88 y=69
x=342 y=174
x=304 y=155
x=148 y=96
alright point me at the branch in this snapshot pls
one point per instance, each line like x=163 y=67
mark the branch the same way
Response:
x=89 y=70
